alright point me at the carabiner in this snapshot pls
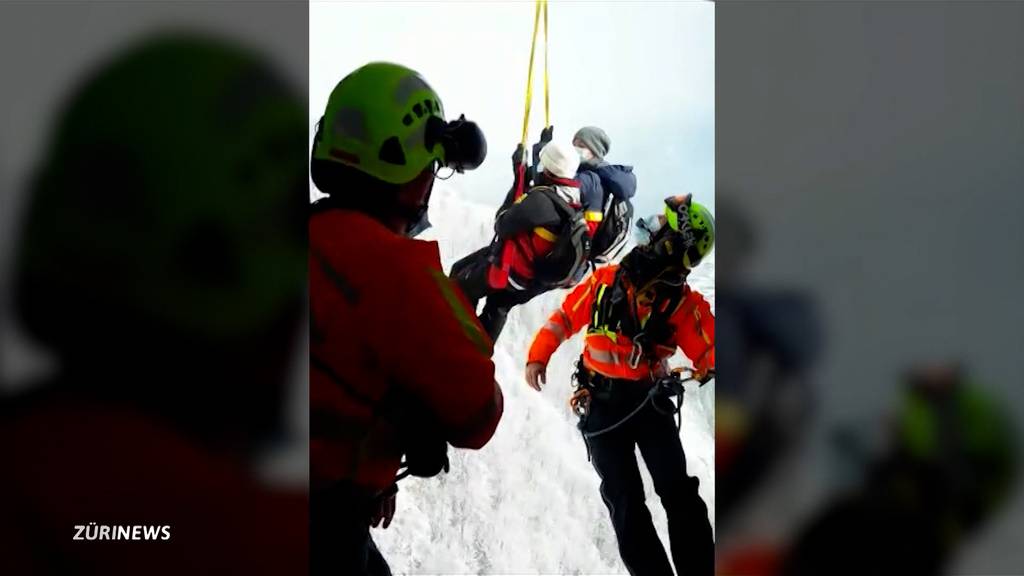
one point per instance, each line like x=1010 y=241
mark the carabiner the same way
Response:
x=636 y=354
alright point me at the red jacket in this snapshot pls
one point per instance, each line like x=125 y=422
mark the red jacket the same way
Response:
x=608 y=353
x=384 y=319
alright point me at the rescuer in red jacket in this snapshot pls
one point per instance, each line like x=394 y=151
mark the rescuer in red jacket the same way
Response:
x=637 y=315
x=399 y=365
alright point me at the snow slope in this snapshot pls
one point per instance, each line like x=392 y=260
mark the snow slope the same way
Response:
x=528 y=502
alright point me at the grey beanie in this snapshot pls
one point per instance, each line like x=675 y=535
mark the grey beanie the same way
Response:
x=595 y=139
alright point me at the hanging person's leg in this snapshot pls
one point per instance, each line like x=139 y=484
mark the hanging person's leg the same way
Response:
x=493 y=318
x=470 y=273
x=693 y=548
x=495 y=312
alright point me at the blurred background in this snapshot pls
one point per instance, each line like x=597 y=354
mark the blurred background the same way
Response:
x=870 y=266
x=152 y=363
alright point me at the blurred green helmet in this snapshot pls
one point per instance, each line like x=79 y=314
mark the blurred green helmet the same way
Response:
x=685 y=215
x=169 y=191
x=377 y=122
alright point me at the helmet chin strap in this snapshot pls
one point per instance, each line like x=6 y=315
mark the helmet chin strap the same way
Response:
x=646 y=266
x=417 y=216
x=419 y=224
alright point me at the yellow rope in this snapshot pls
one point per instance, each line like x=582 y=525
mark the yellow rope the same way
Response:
x=529 y=74
x=547 y=108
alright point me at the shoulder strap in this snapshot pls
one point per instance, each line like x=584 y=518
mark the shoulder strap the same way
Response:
x=561 y=205
x=656 y=327
x=606 y=314
x=615 y=310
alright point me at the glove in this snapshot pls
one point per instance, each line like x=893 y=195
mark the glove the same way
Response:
x=545 y=137
x=426 y=455
x=518 y=156
x=546 y=134
x=420 y=435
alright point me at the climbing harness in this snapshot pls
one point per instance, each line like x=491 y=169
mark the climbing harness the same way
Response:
x=616 y=311
x=668 y=387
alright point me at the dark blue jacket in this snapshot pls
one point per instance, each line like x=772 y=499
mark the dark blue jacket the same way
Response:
x=598 y=182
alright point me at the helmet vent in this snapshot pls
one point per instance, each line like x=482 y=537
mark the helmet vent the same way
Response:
x=391 y=152
x=351 y=123
x=408 y=86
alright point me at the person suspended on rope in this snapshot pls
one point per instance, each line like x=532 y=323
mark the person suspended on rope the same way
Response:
x=637 y=314
x=606 y=189
x=399 y=365
x=541 y=242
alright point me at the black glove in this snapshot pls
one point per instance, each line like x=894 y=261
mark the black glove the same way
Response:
x=545 y=134
x=426 y=455
x=545 y=137
x=420 y=435
x=425 y=450
x=517 y=156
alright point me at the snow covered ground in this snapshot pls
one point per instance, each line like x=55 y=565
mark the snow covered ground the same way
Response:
x=528 y=502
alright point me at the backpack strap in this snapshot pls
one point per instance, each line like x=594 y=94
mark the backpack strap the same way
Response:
x=610 y=312
x=615 y=311
x=568 y=260
x=656 y=330
x=566 y=210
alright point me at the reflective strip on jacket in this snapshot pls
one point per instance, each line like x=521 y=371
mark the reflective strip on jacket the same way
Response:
x=609 y=353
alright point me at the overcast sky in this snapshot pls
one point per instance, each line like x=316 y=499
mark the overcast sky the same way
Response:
x=642 y=71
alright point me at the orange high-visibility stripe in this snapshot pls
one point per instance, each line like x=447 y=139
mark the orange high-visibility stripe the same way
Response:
x=556 y=329
x=582 y=299
x=565 y=319
x=611 y=358
x=700 y=329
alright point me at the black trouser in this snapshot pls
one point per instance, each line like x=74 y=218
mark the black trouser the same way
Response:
x=622 y=489
x=339 y=533
x=470 y=273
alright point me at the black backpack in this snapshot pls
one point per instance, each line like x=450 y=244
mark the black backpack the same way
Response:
x=569 y=259
x=610 y=236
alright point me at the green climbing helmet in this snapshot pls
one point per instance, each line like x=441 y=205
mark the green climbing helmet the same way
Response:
x=699 y=222
x=210 y=245
x=377 y=120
